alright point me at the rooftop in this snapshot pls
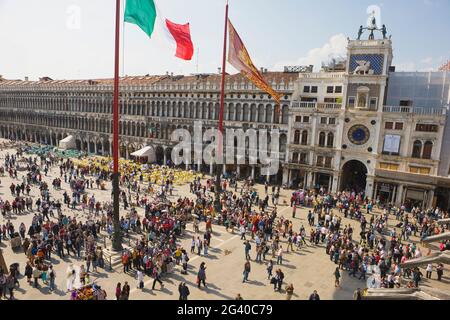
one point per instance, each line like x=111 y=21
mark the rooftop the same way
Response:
x=271 y=77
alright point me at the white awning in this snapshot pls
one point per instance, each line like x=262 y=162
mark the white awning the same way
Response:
x=68 y=143
x=146 y=152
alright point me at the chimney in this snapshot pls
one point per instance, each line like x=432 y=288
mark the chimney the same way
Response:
x=26 y=78
x=171 y=74
x=167 y=73
x=265 y=70
x=219 y=70
x=262 y=70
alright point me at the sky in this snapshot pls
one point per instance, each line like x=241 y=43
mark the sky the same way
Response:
x=74 y=39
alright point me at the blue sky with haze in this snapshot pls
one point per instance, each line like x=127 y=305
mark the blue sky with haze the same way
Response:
x=73 y=39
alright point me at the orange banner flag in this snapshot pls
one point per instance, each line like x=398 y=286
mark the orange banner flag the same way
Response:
x=239 y=58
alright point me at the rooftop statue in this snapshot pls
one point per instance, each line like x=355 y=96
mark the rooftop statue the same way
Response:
x=372 y=27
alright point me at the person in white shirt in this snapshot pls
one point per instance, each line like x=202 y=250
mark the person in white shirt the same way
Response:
x=418 y=253
x=242 y=230
x=429 y=270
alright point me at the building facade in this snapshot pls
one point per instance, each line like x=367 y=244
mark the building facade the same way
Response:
x=151 y=108
x=345 y=134
x=355 y=125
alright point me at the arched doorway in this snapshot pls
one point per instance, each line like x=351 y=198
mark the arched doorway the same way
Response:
x=159 y=155
x=354 y=176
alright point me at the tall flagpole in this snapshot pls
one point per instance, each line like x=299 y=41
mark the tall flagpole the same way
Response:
x=222 y=106
x=117 y=239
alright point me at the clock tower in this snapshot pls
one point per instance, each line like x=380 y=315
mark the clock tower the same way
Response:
x=368 y=64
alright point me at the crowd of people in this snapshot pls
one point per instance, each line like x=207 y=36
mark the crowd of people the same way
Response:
x=381 y=249
x=154 y=248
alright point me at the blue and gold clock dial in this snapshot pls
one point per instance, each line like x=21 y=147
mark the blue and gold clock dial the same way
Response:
x=359 y=135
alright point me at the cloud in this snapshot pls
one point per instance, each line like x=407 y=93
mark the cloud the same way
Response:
x=336 y=46
x=406 y=66
x=428 y=60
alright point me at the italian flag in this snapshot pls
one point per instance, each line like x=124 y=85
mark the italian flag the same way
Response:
x=146 y=16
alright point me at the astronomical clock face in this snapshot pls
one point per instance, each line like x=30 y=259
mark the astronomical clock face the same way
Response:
x=359 y=135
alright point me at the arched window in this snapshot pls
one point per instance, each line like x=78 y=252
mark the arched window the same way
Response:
x=297 y=137
x=283 y=143
x=322 y=139
x=304 y=138
x=330 y=140
x=417 y=149
x=427 y=150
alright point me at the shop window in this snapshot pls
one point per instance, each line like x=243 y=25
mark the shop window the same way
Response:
x=427 y=127
x=427 y=150
x=328 y=161
x=330 y=140
x=373 y=103
x=319 y=161
x=304 y=138
x=399 y=126
x=297 y=137
x=304 y=158
x=322 y=139
x=417 y=149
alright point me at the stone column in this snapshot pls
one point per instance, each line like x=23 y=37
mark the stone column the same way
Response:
x=375 y=191
x=253 y=172
x=305 y=180
x=273 y=115
x=286 y=173
x=430 y=199
x=369 y=185
x=330 y=183
x=399 y=195
x=392 y=196
x=211 y=169
x=334 y=187
x=95 y=148
x=238 y=171
x=312 y=180
x=165 y=156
